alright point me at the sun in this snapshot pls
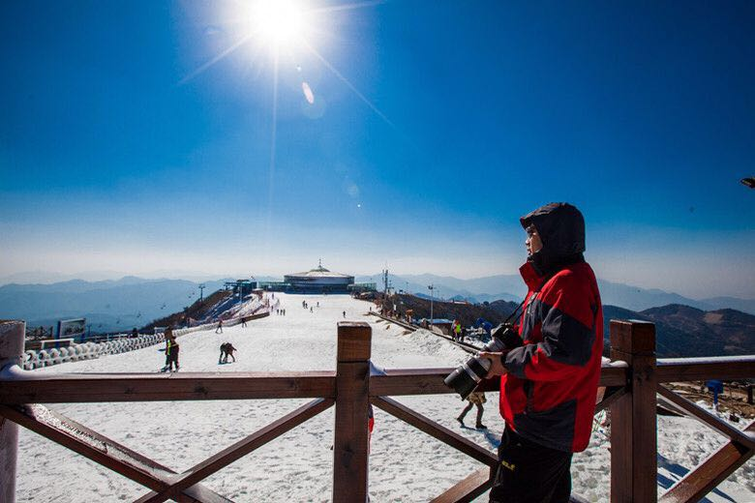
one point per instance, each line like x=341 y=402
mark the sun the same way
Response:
x=277 y=22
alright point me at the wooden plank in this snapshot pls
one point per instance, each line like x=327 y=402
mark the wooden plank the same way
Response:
x=711 y=472
x=400 y=382
x=351 y=436
x=433 y=429
x=468 y=489
x=83 y=388
x=702 y=369
x=633 y=421
x=238 y=450
x=80 y=388
x=707 y=418
x=100 y=449
x=410 y=382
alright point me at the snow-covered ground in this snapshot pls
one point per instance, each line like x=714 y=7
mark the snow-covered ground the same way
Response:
x=405 y=464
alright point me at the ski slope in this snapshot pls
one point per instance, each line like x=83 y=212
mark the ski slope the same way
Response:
x=405 y=464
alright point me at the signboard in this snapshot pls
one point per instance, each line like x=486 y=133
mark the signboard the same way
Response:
x=72 y=328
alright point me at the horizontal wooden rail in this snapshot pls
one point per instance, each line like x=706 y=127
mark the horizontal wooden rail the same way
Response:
x=29 y=387
x=80 y=388
x=701 y=369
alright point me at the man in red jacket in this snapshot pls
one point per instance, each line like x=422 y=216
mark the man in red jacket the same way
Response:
x=549 y=383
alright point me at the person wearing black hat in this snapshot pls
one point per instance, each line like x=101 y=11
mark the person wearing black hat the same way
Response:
x=549 y=383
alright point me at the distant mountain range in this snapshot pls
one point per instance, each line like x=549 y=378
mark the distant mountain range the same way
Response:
x=112 y=305
x=511 y=288
x=109 y=305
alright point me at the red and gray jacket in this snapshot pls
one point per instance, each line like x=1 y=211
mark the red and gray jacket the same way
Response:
x=548 y=395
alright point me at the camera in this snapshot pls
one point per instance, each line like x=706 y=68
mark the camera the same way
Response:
x=467 y=376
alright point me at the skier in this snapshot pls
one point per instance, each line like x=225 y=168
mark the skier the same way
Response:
x=243 y=322
x=219 y=328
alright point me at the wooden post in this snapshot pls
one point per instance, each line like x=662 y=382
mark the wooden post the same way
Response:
x=634 y=442
x=11 y=348
x=350 y=447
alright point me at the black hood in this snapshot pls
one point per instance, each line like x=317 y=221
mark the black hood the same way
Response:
x=561 y=227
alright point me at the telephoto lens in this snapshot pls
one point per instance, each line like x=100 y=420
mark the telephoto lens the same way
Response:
x=467 y=376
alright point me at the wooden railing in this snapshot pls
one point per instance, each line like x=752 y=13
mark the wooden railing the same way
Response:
x=633 y=379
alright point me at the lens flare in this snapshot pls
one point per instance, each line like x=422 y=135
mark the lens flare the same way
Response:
x=308 y=94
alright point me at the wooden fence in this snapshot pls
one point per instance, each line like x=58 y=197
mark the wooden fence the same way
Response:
x=351 y=389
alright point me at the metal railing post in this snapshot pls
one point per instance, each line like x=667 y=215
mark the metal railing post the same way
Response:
x=350 y=447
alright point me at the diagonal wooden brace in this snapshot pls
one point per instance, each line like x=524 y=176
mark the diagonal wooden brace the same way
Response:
x=433 y=429
x=706 y=417
x=469 y=488
x=102 y=450
x=199 y=472
x=711 y=472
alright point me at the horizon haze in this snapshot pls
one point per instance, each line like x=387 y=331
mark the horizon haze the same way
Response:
x=205 y=139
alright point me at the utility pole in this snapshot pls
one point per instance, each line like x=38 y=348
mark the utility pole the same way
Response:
x=201 y=292
x=385 y=290
x=431 y=287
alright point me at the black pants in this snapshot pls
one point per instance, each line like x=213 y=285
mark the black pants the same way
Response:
x=530 y=473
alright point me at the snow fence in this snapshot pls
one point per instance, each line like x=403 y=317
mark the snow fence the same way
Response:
x=52 y=356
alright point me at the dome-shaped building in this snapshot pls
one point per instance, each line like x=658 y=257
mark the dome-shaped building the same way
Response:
x=318 y=280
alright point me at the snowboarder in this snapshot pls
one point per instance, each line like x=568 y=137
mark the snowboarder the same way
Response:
x=219 y=328
x=226 y=350
x=475 y=398
x=243 y=322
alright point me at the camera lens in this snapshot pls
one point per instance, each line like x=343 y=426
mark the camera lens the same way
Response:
x=464 y=379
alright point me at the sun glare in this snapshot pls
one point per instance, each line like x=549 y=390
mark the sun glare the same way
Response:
x=277 y=22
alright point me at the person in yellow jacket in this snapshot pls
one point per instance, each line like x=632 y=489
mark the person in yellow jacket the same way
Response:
x=171 y=351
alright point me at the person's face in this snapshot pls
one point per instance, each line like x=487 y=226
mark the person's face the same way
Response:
x=533 y=243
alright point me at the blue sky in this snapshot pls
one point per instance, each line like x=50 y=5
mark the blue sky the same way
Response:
x=434 y=126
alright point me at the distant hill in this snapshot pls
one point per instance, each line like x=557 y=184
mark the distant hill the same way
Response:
x=510 y=287
x=494 y=312
x=108 y=305
x=684 y=331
